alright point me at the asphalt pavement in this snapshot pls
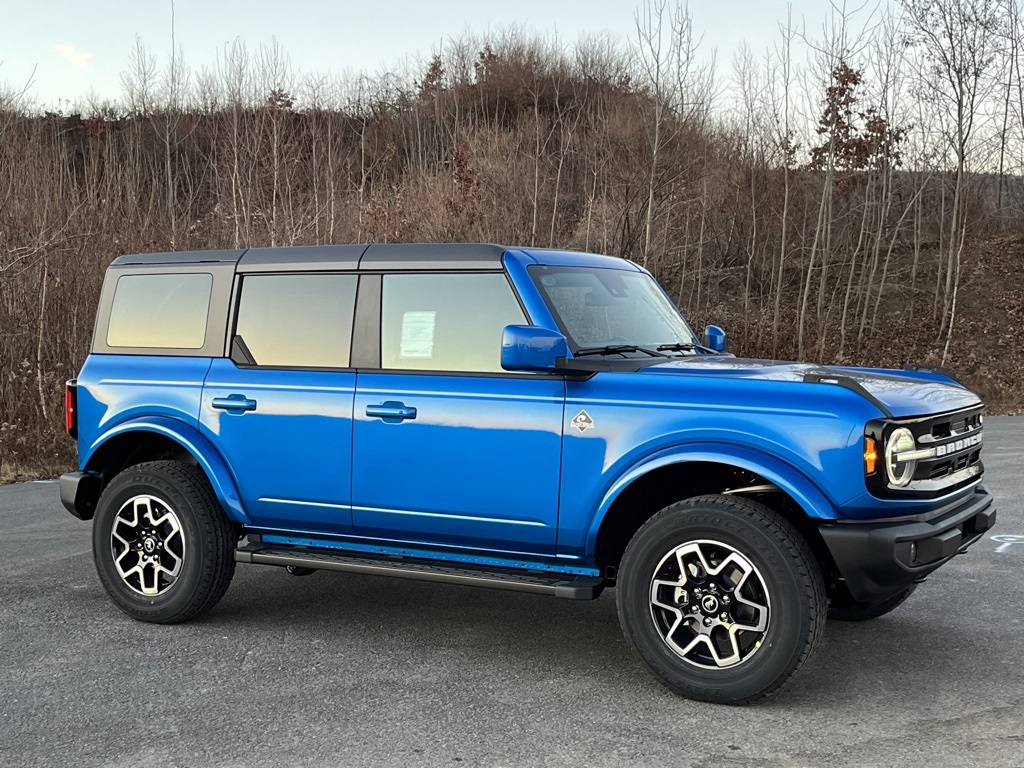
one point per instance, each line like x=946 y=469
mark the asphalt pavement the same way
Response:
x=346 y=670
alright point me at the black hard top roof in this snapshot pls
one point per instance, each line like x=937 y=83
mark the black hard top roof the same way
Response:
x=382 y=256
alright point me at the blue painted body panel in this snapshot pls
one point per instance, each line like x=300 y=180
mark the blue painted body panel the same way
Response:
x=642 y=421
x=116 y=388
x=206 y=455
x=455 y=473
x=122 y=393
x=531 y=348
x=516 y=263
x=292 y=455
x=489 y=469
x=904 y=393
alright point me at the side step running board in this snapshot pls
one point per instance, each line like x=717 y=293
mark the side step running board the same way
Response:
x=539 y=582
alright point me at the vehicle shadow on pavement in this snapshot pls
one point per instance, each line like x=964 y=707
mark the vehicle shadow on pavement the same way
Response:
x=912 y=658
x=911 y=653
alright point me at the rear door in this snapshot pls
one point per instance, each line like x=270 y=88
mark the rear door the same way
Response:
x=280 y=412
x=449 y=449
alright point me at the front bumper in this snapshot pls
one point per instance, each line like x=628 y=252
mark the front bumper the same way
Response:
x=879 y=558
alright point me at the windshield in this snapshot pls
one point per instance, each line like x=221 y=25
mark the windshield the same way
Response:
x=597 y=307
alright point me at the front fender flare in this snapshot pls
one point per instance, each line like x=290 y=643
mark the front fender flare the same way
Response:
x=202 y=450
x=803 y=491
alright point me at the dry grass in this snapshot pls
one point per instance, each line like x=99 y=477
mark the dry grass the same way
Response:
x=11 y=473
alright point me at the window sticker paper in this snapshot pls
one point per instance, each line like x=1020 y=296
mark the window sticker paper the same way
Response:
x=417 y=334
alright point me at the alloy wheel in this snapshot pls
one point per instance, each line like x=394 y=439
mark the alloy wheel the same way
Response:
x=147 y=544
x=710 y=604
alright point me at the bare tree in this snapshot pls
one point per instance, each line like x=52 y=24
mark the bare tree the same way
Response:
x=679 y=86
x=957 y=45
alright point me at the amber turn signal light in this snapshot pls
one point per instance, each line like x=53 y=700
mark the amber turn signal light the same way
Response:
x=870 y=455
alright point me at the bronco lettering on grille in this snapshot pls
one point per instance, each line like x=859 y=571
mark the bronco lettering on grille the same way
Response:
x=958 y=445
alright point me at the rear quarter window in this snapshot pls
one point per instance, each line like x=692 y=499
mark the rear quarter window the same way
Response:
x=166 y=311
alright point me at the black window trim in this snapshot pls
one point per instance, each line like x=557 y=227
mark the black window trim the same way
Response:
x=366 y=324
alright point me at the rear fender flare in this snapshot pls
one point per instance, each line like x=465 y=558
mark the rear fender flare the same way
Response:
x=201 y=449
x=803 y=491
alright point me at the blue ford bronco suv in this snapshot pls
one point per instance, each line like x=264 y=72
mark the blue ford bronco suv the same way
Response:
x=525 y=419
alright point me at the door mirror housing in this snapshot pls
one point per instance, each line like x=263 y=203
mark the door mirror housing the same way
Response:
x=714 y=338
x=532 y=348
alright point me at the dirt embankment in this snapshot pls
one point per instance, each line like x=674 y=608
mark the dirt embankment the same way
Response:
x=989 y=340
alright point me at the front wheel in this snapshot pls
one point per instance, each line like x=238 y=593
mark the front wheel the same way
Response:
x=721 y=598
x=163 y=547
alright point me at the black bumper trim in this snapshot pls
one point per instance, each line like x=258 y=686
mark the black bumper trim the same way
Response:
x=79 y=492
x=875 y=558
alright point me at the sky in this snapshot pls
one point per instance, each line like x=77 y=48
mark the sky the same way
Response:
x=70 y=49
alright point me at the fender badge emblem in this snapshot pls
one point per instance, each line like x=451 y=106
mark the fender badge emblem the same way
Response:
x=582 y=422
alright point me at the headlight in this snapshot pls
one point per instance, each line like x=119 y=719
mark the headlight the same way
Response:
x=900 y=472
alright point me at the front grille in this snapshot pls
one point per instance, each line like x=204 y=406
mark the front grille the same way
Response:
x=945 y=468
x=950 y=426
x=956 y=439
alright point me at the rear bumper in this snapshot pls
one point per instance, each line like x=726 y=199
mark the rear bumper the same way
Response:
x=877 y=559
x=79 y=493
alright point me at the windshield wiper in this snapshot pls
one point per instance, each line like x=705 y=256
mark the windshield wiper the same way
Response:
x=686 y=347
x=616 y=349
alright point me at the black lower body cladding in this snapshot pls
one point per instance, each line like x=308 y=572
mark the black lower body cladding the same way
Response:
x=79 y=492
x=878 y=559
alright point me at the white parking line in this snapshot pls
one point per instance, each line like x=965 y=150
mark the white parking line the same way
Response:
x=1006 y=541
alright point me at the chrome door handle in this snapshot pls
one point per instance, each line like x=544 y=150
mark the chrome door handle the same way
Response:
x=391 y=411
x=234 y=403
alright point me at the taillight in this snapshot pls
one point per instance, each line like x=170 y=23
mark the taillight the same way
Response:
x=71 y=407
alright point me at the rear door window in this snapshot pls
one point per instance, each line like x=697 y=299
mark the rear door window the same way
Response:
x=297 y=321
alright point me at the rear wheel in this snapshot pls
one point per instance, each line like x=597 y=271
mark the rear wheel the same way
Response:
x=845 y=608
x=163 y=547
x=721 y=598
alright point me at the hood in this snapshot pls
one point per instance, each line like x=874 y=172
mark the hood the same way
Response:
x=904 y=393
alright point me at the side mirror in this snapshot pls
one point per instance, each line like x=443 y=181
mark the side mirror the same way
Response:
x=531 y=348
x=714 y=338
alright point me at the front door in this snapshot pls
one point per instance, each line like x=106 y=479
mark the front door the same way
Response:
x=449 y=449
x=281 y=412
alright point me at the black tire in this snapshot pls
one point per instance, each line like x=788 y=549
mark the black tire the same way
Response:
x=847 y=609
x=200 y=545
x=773 y=555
